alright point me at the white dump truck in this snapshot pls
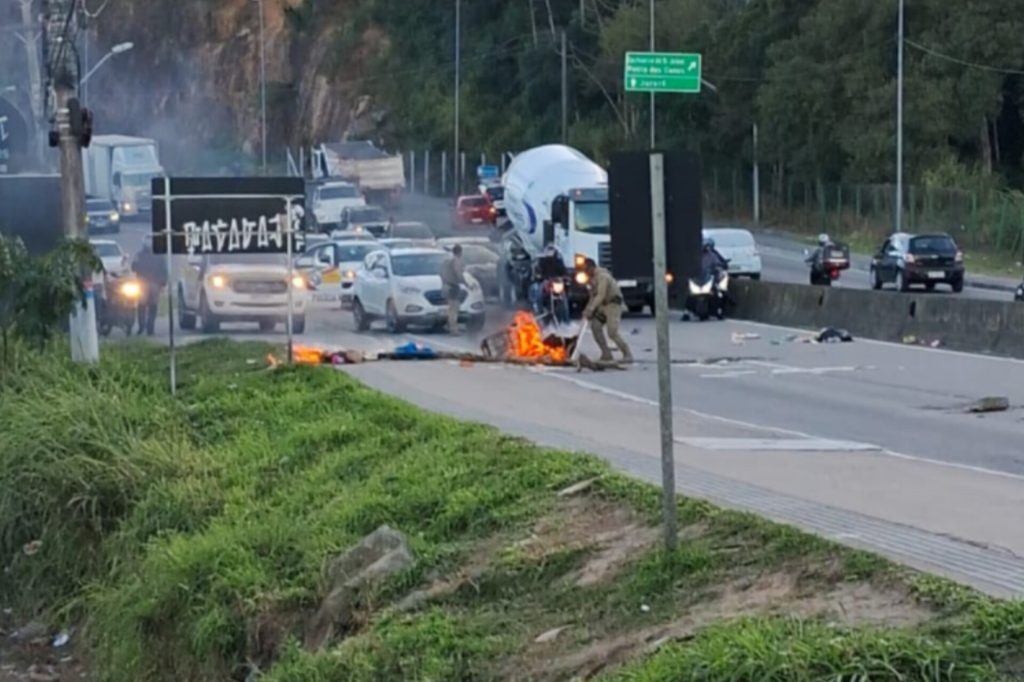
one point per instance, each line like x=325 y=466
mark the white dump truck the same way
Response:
x=554 y=194
x=380 y=176
x=121 y=169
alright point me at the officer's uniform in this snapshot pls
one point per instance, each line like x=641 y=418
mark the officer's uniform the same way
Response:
x=604 y=310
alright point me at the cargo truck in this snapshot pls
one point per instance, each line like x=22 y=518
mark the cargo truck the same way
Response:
x=555 y=195
x=380 y=176
x=121 y=169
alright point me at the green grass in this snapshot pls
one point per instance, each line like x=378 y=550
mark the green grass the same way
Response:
x=189 y=537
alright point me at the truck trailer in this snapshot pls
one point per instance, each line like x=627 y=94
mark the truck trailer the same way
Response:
x=555 y=195
x=380 y=176
x=121 y=169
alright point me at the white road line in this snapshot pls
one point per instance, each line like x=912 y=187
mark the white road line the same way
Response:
x=734 y=374
x=622 y=395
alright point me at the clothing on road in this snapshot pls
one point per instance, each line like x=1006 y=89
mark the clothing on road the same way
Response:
x=604 y=310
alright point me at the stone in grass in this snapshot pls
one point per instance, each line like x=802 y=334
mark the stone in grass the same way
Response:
x=382 y=553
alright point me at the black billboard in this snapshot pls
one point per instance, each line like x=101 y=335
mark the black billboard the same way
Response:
x=629 y=199
x=228 y=215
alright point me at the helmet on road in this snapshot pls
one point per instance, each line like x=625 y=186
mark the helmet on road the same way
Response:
x=823 y=239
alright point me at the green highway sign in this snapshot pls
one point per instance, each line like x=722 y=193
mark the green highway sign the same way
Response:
x=662 y=72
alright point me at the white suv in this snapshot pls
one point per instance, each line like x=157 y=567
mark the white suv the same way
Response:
x=218 y=289
x=403 y=287
x=330 y=199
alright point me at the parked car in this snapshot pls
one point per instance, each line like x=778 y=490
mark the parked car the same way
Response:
x=101 y=216
x=403 y=288
x=474 y=209
x=331 y=268
x=418 y=231
x=332 y=197
x=482 y=263
x=739 y=248
x=928 y=259
x=365 y=219
x=229 y=288
x=115 y=261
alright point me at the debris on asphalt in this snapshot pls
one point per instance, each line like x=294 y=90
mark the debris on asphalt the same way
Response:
x=739 y=337
x=834 y=335
x=990 y=404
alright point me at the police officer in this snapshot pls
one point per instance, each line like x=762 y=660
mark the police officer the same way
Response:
x=152 y=270
x=604 y=310
x=453 y=278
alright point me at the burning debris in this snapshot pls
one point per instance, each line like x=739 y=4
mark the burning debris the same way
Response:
x=525 y=341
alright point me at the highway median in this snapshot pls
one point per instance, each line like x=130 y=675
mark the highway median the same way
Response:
x=290 y=524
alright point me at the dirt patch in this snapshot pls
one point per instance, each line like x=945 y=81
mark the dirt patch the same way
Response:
x=615 y=533
x=776 y=593
x=39 y=662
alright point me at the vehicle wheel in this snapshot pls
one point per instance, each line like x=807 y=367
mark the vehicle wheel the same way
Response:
x=211 y=325
x=756 y=277
x=476 y=323
x=635 y=309
x=267 y=325
x=876 y=280
x=362 y=320
x=186 y=318
x=394 y=322
x=299 y=324
x=901 y=281
x=958 y=286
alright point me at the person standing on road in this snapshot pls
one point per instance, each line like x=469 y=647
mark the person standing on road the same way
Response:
x=152 y=270
x=453 y=278
x=604 y=310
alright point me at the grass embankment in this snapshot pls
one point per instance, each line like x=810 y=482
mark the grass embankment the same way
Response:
x=189 y=538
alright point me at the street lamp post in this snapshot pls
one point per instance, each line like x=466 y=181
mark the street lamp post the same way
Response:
x=899 y=124
x=116 y=50
x=652 y=92
x=263 y=90
x=457 y=177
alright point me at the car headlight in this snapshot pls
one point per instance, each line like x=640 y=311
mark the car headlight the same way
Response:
x=115 y=216
x=349 y=275
x=219 y=281
x=298 y=282
x=131 y=290
x=127 y=207
x=582 y=278
x=87 y=219
x=579 y=260
x=410 y=291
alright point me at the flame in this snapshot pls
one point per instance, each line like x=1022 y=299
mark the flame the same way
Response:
x=307 y=355
x=527 y=342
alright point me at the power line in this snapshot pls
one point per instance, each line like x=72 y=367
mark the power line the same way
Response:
x=963 y=62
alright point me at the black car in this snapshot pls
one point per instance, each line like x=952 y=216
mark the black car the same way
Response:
x=101 y=216
x=927 y=259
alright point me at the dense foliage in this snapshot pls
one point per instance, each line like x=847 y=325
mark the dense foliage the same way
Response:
x=818 y=76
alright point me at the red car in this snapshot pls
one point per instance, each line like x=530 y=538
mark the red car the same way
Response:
x=475 y=209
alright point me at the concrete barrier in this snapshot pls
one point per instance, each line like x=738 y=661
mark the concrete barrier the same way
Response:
x=954 y=321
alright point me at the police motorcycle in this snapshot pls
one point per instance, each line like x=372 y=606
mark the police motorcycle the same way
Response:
x=827 y=261
x=118 y=304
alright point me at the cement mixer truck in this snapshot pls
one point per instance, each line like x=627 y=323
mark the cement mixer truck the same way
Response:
x=556 y=195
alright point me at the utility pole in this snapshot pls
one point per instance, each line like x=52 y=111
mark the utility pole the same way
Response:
x=29 y=38
x=457 y=179
x=61 y=28
x=263 y=88
x=757 y=180
x=565 y=92
x=652 y=93
x=899 y=124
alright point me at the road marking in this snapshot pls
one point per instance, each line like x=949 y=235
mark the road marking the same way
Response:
x=779 y=444
x=733 y=374
x=622 y=395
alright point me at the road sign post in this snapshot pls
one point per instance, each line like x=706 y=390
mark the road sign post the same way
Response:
x=663 y=72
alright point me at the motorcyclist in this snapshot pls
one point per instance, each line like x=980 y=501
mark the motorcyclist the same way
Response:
x=824 y=242
x=152 y=270
x=547 y=268
x=711 y=261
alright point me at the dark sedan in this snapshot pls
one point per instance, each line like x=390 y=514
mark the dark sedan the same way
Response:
x=101 y=216
x=482 y=263
x=926 y=259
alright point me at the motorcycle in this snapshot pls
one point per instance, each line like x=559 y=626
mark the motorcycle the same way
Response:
x=710 y=296
x=119 y=304
x=552 y=300
x=827 y=263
